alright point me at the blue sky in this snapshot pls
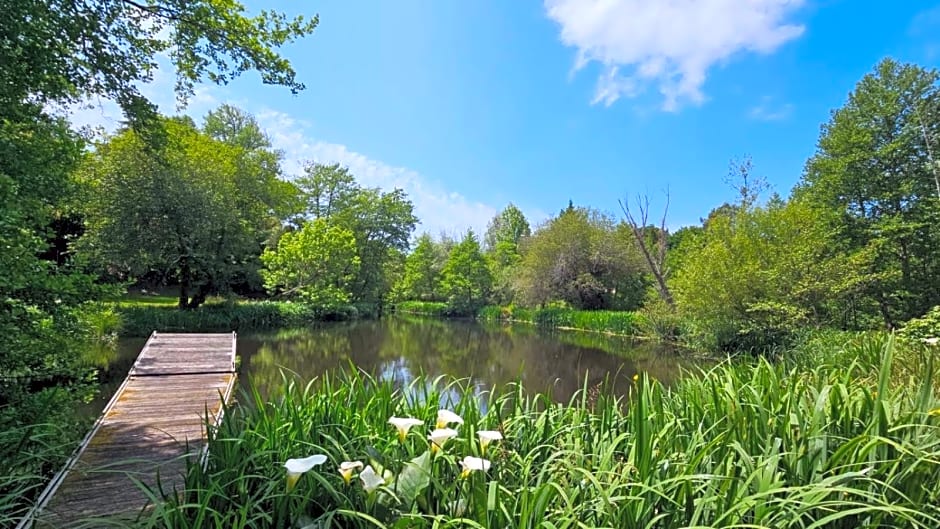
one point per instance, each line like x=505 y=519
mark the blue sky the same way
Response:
x=470 y=105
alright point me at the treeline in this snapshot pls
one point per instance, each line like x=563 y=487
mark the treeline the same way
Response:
x=855 y=245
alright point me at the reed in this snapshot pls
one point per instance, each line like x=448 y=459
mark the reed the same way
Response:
x=622 y=323
x=841 y=438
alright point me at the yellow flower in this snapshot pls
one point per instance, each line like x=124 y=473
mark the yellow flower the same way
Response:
x=439 y=436
x=403 y=424
x=636 y=377
x=934 y=412
x=296 y=467
x=445 y=417
x=346 y=469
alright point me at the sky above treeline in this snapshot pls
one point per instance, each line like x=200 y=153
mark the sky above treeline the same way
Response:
x=469 y=105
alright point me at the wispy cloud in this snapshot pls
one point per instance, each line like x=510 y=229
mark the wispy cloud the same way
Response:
x=670 y=44
x=440 y=210
x=769 y=110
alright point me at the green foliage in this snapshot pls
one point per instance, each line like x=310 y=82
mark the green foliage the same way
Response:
x=604 y=321
x=923 y=328
x=381 y=222
x=873 y=170
x=62 y=51
x=423 y=308
x=582 y=258
x=141 y=320
x=421 y=278
x=466 y=278
x=832 y=446
x=191 y=208
x=757 y=275
x=509 y=226
x=315 y=264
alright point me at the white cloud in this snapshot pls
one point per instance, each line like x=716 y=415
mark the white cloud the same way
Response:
x=438 y=209
x=668 y=43
x=767 y=110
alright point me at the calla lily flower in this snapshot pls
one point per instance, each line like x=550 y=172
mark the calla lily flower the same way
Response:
x=439 y=437
x=445 y=417
x=404 y=424
x=487 y=437
x=296 y=467
x=473 y=464
x=346 y=469
x=370 y=480
x=932 y=341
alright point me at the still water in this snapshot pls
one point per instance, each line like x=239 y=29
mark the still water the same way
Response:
x=400 y=348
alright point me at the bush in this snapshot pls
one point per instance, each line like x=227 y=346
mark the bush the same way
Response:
x=927 y=326
x=423 y=308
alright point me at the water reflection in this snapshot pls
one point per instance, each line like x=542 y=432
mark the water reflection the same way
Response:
x=399 y=349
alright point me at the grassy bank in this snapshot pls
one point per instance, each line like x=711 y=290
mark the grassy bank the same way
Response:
x=437 y=309
x=621 y=323
x=140 y=319
x=833 y=436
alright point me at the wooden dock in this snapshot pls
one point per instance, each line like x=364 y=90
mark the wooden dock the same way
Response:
x=154 y=422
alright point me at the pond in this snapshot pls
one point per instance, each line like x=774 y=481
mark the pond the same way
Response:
x=400 y=348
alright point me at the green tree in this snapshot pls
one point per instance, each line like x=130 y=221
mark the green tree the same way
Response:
x=56 y=51
x=193 y=209
x=873 y=169
x=466 y=278
x=509 y=225
x=752 y=278
x=382 y=222
x=421 y=278
x=582 y=258
x=315 y=264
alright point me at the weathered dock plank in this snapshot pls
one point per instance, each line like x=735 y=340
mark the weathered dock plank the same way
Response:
x=154 y=422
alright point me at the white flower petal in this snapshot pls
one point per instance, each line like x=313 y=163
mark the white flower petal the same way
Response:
x=487 y=436
x=470 y=464
x=370 y=480
x=445 y=417
x=405 y=422
x=350 y=465
x=299 y=466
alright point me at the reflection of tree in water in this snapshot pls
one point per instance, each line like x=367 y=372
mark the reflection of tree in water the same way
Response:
x=399 y=349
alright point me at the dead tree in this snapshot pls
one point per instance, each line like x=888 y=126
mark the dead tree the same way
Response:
x=653 y=251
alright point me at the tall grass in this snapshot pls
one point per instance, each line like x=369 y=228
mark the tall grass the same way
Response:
x=423 y=308
x=141 y=320
x=607 y=321
x=843 y=443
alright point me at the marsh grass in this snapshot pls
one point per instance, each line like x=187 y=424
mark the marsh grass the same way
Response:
x=844 y=438
x=621 y=323
x=142 y=319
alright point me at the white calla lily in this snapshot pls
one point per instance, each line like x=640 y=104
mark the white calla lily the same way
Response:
x=487 y=437
x=440 y=436
x=346 y=469
x=932 y=341
x=296 y=467
x=473 y=464
x=445 y=417
x=370 y=480
x=403 y=424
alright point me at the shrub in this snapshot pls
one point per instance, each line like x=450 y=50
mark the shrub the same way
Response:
x=927 y=326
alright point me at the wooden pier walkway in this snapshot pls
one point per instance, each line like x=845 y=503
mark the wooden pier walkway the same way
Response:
x=155 y=420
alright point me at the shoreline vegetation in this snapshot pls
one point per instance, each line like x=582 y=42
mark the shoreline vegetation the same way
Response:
x=837 y=434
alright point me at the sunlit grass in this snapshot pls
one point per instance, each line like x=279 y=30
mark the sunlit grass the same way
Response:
x=850 y=439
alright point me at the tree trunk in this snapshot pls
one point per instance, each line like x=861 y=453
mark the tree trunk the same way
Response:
x=185 y=284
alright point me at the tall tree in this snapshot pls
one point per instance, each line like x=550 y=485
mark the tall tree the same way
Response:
x=509 y=225
x=581 y=257
x=466 y=277
x=190 y=209
x=315 y=264
x=381 y=221
x=421 y=278
x=873 y=168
